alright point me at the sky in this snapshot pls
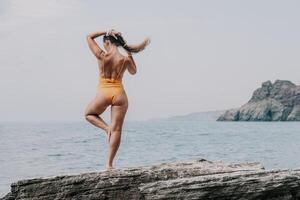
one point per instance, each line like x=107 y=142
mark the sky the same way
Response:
x=204 y=55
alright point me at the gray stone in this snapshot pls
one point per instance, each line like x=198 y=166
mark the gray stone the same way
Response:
x=271 y=102
x=230 y=115
x=295 y=114
x=198 y=179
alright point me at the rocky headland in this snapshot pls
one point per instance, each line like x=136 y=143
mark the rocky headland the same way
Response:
x=278 y=101
x=198 y=179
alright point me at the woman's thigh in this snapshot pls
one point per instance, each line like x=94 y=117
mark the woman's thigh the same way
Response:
x=97 y=106
x=118 y=111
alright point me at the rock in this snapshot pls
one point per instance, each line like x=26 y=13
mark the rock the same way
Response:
x=230 y=115
x=198 y=179
x=279 y=101
x=295 y=114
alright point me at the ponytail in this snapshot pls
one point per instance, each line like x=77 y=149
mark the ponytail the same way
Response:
x=119 y=41
x=137 y=48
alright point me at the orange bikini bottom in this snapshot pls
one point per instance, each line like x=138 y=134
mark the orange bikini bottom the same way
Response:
x=110 y=88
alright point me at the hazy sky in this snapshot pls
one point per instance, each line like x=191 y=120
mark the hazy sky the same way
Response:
x=204 y=55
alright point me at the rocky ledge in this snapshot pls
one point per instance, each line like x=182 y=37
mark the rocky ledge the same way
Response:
x=199 y=179
x=279 y=101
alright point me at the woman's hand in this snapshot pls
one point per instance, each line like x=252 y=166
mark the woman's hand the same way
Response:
x=113 y=32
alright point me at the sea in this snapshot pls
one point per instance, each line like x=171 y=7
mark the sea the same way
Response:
x=45 y=149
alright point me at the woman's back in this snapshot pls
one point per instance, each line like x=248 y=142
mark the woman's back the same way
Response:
x=112 y=66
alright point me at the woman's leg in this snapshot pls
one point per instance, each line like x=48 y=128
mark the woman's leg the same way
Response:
x=95 y=108
x=118 y=112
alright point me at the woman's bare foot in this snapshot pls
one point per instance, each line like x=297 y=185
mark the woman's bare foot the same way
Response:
x=108 y=133
x=109 y=167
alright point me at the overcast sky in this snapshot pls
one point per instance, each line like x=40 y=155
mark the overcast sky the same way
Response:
x=204 y=55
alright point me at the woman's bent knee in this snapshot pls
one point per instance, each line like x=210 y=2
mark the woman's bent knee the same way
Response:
x=88 y=117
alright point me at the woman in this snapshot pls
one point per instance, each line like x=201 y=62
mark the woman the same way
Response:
x=112 y=65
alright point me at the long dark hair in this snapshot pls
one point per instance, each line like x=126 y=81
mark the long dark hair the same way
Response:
x=119 y=41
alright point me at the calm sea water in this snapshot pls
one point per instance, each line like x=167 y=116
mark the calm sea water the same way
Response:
x=30 y=150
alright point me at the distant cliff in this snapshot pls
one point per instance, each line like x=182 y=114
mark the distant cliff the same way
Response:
x=279 y=101
x=199 y=179
x=197 y=116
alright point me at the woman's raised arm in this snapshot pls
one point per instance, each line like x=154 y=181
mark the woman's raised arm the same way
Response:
x=96 y=50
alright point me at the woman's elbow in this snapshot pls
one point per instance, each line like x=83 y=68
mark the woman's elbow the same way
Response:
x=132 y=72
x=132 y=69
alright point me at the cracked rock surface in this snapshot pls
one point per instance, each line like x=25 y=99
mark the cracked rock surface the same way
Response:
x=197 y=179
